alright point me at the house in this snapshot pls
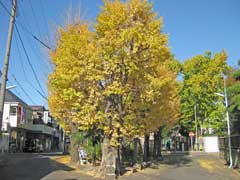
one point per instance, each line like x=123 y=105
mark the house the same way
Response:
x=16 y=114
x=28 y=128
x=49 y=134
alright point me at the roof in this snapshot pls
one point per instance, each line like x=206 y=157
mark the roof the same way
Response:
x=11 y=97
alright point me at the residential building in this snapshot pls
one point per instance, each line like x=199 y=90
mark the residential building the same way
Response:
x=15 y=115
x=28 y=128
x=49 y=135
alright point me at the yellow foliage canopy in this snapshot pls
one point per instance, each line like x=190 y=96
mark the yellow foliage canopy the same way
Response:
x=118 y=77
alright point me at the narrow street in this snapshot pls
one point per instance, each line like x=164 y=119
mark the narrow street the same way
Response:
x=196 y=166
x=24 y=166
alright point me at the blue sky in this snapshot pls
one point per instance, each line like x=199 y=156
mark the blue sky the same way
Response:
x=194 y=26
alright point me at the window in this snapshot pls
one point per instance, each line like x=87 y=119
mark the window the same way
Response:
x=13 y=110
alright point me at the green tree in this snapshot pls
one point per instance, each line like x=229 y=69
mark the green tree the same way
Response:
x=202 y=80
x=233 y=92
x=234 y=89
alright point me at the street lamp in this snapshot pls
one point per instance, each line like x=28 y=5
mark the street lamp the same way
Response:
x=11 y=87
x=228 y=123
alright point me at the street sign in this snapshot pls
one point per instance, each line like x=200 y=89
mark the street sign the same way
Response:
x=191 y=134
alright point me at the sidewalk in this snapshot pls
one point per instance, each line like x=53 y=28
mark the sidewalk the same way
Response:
x=187 y=166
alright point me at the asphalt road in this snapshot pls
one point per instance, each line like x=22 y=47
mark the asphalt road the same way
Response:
x=194 y=166
x=26 y=166
x=173 y=167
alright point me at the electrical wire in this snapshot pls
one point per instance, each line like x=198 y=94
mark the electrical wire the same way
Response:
x=32 y=35
x=21 y=60
x=26 y=94
x=15 y=89
x=38 y=55
x=29 y=62
x=35 y=17
x=25 y=52
x=25 y=75
x=43 y=12
x=24 y=28
x=5 y=8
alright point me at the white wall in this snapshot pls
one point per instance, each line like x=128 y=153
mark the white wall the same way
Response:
x=12 y=119
x=45 y=117
x=211 y=144
x=5 y=120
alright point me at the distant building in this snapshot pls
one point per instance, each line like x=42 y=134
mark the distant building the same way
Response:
x=50 y=135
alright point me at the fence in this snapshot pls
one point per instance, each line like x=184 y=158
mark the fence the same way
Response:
x=224 y=150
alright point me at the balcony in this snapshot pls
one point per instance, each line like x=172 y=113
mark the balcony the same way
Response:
x=41 y=128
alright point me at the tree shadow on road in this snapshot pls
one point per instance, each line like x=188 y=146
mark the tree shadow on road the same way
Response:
x=171 y=160
x=174 y=160
x=30 y=168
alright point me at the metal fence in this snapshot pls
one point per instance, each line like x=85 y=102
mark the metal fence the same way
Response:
x=224 y=150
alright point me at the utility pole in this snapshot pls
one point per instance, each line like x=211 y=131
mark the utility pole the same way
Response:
x=228 y=122
x=6 y=61
x=196 y=133
x=228 y=125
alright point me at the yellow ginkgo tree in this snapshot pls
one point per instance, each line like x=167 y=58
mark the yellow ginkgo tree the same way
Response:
x=73 y=83
x=117 y=77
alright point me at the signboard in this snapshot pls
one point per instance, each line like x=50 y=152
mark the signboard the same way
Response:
x=45 y=117
x=191 y=134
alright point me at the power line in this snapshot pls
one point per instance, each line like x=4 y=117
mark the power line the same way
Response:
x=29 y=62
x=21 y=61
x=35 y=76
x=26 y=94
x=15 y=89
x=35 y=17
x=42 y=61
x=24 y=72
x=43 y=12
x=24 y=28
x=33 y=47
x=40 y=34
x=5 y=8
x=40 y=57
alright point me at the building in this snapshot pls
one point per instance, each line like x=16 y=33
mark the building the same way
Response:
x=48 y=133
x=28 y=128
x=16 y=116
